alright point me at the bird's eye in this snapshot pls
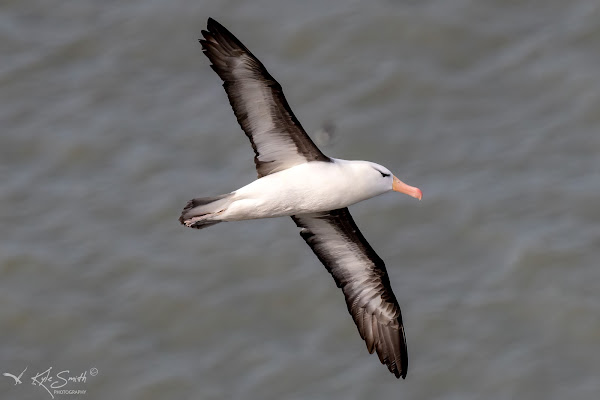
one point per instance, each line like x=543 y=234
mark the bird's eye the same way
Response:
x=383 y=174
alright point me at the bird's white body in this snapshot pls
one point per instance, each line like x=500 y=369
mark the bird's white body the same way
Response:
x=307 y=188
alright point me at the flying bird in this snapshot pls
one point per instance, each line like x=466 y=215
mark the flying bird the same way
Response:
x=296 y=179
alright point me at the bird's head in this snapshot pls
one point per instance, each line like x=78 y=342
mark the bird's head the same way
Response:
x=382 y=180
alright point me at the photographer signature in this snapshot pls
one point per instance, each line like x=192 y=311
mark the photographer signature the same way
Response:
x=48 y=381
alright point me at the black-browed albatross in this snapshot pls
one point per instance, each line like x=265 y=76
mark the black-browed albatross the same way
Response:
x=296 y=179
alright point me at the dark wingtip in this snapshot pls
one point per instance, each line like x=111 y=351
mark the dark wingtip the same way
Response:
x=212 y=25
x=397 y=372
x=404 y=368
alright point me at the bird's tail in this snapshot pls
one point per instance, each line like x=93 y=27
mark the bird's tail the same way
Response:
x=202 y=212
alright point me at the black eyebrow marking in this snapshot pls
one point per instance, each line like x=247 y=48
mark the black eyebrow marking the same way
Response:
x=383 y=174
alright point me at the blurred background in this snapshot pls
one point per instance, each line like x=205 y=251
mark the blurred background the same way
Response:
x=111 y=119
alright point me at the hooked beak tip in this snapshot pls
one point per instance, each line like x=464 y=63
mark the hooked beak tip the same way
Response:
x=419 y=194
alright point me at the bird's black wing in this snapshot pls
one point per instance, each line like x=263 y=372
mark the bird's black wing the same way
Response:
x=360 y=273
x=278 y=139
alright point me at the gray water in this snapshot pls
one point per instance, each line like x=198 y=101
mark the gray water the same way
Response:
x=111 y=119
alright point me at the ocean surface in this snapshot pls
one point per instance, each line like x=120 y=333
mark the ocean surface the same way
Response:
x=111 y=119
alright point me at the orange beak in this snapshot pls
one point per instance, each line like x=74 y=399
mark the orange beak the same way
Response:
x=399 y=186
